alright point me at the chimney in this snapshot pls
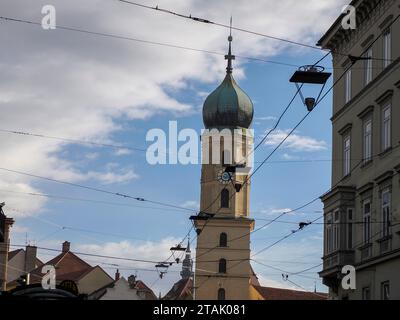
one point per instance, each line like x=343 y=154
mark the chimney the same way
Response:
x=66 y=246
x=30 y=258
x=117 y=275
x=132 y=281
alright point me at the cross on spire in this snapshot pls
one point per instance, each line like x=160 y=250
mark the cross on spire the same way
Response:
x=230 y=56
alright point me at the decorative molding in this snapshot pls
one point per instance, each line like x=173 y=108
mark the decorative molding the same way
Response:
x=383 y=177
x=384 y=97
x=366 y=187
x=368 y=110
x=397 y=84
x=386 y=21
x=345 y=129
x=367 y=41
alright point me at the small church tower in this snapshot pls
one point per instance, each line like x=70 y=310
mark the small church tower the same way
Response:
x=187 y=264
x=223 y=226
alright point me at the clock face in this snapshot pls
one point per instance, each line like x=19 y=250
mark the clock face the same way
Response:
x=224 y=177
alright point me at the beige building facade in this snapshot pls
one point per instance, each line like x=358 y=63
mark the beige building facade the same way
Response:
x=362 y=210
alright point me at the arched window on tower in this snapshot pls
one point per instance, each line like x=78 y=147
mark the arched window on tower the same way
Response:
x=223 y=240
x=222 y=266
x=221 y=294
x=225 y=198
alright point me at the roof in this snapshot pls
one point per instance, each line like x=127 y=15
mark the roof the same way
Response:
x=12 y=254
x=228 y=106
x=141 y=286
x=336 y=28
x=269 y=293
x=68 y=267
x=181 y=290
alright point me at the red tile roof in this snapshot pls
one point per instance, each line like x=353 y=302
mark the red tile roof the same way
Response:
x=68 y=267
x=141 y=286
x=181 y=290
x=269 y=293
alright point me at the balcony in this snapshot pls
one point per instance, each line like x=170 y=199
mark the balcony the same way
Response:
x=334 y=261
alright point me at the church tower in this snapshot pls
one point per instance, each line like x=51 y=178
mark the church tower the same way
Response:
x=223 y=226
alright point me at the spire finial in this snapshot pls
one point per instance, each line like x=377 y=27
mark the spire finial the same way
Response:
x=230 y=56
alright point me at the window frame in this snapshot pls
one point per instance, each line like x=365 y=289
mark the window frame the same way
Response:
x=387 y=47
x=368 y=66
x=221 y=294
x=347 y=86
x=366 y=224
x=385 y=285
x=350 y=228
x=386 y=212
x=346 y=155
x=225 y=197
x=386 y=128
x=223 y=240
x=367 y=140
x=364 y=292
x=222 y=266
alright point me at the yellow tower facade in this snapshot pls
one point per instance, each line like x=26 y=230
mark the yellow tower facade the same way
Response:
x=223 y=226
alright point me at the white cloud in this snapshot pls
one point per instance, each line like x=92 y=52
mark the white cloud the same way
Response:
x=268 y=118
x=79 y=86
x=191 y=204
x=295 y=141
x=112 y=177
x=123 y=152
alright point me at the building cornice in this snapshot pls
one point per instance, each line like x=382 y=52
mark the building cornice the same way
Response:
x=336 y=190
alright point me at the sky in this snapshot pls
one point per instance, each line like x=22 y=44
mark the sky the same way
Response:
x=88 y=87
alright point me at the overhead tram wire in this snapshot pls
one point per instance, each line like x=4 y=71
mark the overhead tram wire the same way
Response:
x=123 y=195
x=58 y=197
x=94 y=255
x=210 y=22
x=164 y=44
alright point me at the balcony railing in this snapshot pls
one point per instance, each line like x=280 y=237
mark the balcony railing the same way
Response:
x=338 y=258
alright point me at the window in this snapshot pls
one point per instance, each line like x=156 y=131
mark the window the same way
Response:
x=349 y=228
x=387 y=47
x=385 y=212
x=347 y=86
x=366 y=221
x=386 y=128
x=336 y=229
x=223 y=240
x=366 y=293
x=385 y=290
x=221 y=294
x=222 y=266
x=368 y=66
x=367 y=147
x=328 y=233
x=225 y=198
x=332 y=232
x=346 y=155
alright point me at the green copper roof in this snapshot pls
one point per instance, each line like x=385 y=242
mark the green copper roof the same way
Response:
x=228 y=106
